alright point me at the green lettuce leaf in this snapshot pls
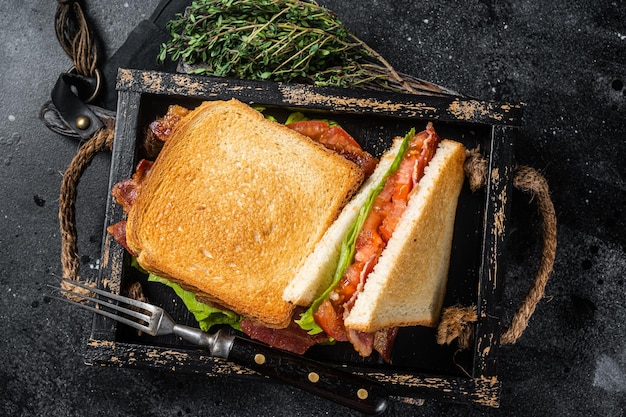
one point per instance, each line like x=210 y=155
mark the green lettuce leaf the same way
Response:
x=261 y=109
x=348 y=245
x=300 y=117
x=206 y=315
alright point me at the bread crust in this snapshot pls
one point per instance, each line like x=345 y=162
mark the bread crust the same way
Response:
x=232 y=206
x=407 y=285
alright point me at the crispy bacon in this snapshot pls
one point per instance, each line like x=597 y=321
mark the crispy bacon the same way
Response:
x=383 y=342
x=362 y=342
x=163 y=127
x=118 y=231
x=376 y=231
x=338 y=140
x=292 y=338
x=126 y=192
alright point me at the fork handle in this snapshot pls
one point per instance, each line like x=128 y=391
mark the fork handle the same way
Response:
x=342 y=387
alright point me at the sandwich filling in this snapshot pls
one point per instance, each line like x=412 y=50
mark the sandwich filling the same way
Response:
x=337 y=139
x=365 y=243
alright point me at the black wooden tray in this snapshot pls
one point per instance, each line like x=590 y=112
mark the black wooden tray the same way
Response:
x=420 y=368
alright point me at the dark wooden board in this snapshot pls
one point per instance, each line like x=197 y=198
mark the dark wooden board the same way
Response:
x=420 y=367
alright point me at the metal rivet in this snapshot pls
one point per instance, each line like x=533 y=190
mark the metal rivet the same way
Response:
x=259 y=359
x=313 y=377
x=362 y=393
x=82 y=122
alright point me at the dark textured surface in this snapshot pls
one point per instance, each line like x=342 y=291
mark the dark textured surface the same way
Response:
x=565 y=60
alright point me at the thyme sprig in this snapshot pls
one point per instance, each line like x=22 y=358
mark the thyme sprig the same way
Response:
x=279 y=40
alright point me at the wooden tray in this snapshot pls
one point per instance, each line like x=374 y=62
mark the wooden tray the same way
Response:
x=421 y=368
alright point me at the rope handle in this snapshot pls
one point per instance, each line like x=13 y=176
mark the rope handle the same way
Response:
x=456 y=322
x=102 y=140
x=75 y=36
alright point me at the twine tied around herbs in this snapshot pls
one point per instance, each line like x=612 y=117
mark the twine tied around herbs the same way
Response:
x=457 y=322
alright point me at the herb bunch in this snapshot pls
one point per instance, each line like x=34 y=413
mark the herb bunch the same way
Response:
x=278 y=40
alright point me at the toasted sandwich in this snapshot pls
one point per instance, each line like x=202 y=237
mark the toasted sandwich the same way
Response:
x=233 y=204
x=258 y=218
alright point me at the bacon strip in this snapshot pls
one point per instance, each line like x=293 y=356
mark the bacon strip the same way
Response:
x=163 y=127
x=118 y=232
x=383 y=342
x=337 y=139
x=292 y=338
x=126 y=192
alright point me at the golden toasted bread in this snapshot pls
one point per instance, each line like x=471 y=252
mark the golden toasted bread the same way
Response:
x=234 y=204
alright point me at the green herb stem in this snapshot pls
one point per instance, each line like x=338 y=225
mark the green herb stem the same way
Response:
x=280 y=40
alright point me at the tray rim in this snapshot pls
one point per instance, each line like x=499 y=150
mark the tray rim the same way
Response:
x=483 y=388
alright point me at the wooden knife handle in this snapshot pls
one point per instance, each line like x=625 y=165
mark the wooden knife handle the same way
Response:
x=342 y=387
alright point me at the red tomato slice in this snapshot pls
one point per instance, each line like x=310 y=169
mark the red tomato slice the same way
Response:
x=336 y=136
x=331 y=321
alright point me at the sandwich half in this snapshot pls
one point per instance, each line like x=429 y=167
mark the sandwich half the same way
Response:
x=384 y=262
x=233 y=204
x=408 y=284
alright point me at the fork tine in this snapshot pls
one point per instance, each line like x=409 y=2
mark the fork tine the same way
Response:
x=107 y=294
x=108 y=314
x=105 y=301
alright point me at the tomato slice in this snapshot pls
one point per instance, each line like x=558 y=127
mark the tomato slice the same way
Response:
x=331 y=321
x=337 y=137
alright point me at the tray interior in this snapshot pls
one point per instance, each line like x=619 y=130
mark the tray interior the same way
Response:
x=373 y=119
x=415 y=347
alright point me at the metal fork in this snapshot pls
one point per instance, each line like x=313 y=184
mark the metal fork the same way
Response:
x=342 y=387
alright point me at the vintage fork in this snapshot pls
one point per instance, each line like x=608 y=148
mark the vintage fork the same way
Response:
x=342 y=387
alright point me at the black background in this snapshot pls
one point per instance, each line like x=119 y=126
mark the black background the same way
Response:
x=565 y=60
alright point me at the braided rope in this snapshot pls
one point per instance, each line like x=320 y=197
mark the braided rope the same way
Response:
x=102 y=140
x=529 y=180
x=456 y=321
x=75 y=37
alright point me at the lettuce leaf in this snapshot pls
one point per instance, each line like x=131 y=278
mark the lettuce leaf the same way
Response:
x=348 y=245
x=206 y=315
x=300 y=117
x=261 y=109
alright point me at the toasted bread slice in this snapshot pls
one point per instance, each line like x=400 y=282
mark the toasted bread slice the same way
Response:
x=317 y=272
x=407 y=285
x=233 y=205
